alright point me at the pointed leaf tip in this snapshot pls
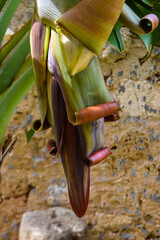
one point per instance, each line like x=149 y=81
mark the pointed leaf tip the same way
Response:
x=29 y=135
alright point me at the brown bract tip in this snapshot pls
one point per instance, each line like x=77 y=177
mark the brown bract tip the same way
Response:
x=52 y=147
x=98 y=156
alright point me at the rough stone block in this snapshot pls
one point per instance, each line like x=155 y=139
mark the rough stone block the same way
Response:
x=52 y=224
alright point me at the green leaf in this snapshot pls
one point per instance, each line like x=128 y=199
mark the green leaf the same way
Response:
x=29 y=135
x=145 y=3
x=145 y=58
x=156 y=32
x=119 y=36
x=113 y=40
x=26 y=64
x=2 y=3
x=10 y=98
x=147 y=39
x=8 y=47
x=7 y=15
x=148 y=2
x=10 y=68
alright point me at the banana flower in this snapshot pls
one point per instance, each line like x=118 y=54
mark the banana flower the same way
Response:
x=66 y=38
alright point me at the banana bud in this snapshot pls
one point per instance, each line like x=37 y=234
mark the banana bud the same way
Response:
x=74 y=100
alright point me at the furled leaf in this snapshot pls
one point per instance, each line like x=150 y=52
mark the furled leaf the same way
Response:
x=93 y=113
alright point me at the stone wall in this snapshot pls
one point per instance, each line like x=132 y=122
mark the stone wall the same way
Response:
x=125 y=188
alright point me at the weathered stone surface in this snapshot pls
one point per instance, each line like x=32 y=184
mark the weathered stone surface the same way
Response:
x=52 y=224
x=125 y=189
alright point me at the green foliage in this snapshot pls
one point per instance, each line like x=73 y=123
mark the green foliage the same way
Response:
x=10 y=45
x=2 y=3
x=12 y=96
x=7 y=15
x=13 y=63
x=141 y=8
x=16 y=74
x=115 y=37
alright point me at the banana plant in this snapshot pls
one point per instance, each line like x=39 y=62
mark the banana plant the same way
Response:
x=73 y=98
x=72 y=95
x=66 y=38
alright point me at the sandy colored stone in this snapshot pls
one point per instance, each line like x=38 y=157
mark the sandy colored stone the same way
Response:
x=125 y=188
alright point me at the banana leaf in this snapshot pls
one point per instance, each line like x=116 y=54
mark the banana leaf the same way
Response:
x=7 y=15
x=12 y=96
